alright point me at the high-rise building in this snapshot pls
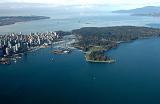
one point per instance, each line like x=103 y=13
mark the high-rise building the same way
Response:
x=0 y=43
x=9 y=44
x=7 y=51
x=1 y=52
x=16 y=47
x=39 y=41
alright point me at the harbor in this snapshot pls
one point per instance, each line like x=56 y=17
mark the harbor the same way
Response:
x=13 y=49
x=13 y=45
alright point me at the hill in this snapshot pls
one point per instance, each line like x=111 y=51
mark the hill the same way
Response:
x=144 y=11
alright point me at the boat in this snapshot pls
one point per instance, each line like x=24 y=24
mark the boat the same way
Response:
x=15 y=61
x=67 y=51
x=52 y=60
x=17 y=56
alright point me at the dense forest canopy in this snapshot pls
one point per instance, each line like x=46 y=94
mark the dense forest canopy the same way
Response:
x=108 y=37
x=117 y=30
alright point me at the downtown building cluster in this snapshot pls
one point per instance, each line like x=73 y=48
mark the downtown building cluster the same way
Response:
x=19 y=43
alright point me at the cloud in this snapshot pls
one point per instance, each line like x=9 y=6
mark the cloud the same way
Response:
x=132 y=3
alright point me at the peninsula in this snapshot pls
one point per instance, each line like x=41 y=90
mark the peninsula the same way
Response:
x=95 y=41
x=9 y=20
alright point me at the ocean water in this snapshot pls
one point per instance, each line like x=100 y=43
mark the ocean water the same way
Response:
x=69 y=79
x=74 y=22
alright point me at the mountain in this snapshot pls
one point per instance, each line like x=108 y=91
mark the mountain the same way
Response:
x=53 y=11
x=143 y=10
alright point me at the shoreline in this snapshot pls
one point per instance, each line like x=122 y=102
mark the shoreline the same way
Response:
x=96 y=61
x=23 y=19
x=118 y=43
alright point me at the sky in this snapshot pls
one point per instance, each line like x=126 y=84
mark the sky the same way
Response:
x=125 y=3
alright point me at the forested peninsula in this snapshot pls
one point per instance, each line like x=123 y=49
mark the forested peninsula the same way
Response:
x=9 y=20
x=95 y=41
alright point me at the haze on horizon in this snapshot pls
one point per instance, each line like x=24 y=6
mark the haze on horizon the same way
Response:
x=122 y=3
x=69 y=8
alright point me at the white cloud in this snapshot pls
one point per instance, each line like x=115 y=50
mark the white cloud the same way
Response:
x=132 y=3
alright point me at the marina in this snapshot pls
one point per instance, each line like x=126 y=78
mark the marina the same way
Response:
x=9 y=54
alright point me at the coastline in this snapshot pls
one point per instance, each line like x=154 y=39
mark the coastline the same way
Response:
x=20 y=19
x=118 y=43
x=96 y=61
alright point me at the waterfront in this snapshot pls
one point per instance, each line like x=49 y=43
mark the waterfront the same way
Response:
x=37 y=79
x=45 y=78
x=15 y=44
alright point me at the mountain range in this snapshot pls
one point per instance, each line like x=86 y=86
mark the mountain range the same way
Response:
x=144 y=11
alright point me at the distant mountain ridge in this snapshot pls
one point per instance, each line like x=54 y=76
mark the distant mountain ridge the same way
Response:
x=144 y=11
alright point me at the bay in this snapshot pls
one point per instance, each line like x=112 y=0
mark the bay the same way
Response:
x=75 y=22
x=69 y=79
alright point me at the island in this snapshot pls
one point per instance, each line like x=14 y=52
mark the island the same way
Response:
x=9 y=20
x=95 y=41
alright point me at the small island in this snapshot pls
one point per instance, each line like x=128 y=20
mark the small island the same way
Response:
x=9 y=20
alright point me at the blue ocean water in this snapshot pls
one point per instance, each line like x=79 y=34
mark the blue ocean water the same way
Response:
x=69 y=79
